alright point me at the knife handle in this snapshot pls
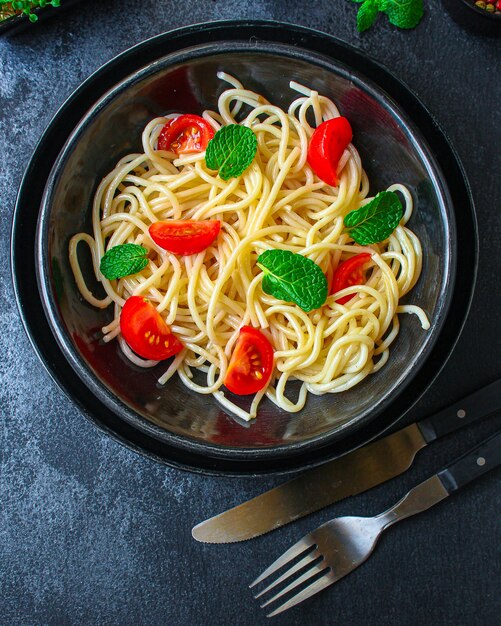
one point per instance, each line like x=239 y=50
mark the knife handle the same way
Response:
x=473 y=464
x=479 y=404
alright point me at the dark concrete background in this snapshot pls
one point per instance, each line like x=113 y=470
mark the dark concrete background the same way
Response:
x=90 y=532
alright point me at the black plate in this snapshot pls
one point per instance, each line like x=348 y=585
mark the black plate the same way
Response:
x=26 y=213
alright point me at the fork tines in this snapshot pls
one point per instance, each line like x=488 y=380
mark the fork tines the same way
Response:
x=304 y=559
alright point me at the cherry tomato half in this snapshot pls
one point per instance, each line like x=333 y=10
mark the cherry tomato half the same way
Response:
x=327 y=145
x=145 y=330
x=348 y=273
x=184 y=134
x=185 y=236
x=251 y=363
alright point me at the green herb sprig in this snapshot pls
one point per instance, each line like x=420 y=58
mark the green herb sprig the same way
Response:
x=231 y=150
x=293 y=278
x=13 y=7
x=123 y=260
x=401 y=13
x=376 y=220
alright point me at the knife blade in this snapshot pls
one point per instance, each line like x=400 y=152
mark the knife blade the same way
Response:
x=346 y=476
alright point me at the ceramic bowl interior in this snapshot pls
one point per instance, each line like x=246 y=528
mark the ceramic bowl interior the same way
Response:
x=392 y=150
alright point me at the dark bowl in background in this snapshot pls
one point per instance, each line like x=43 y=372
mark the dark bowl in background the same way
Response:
x=19 y=23
x=473 y=19
x=173 y=423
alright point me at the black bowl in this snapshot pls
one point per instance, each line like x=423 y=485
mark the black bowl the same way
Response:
x=392 y=150
x=473 y=19
x=184 y=428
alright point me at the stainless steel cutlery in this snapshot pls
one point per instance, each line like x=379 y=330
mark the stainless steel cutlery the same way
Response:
x=339 y=546
x=336 y=548
x=349 y=475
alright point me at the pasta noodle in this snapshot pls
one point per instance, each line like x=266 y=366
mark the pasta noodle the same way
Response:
x=278 y=202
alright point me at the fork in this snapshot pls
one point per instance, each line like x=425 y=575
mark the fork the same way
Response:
x=339 y=546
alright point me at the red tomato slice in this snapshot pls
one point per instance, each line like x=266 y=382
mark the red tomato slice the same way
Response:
x=145 y=330
x=327 y=145
x=184 y=134
x=185 y=236
x=251 y=363
x=348 y=273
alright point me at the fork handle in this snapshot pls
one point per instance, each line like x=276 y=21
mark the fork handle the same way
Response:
x=477 y=405
x=418 y=499
x=473 y=464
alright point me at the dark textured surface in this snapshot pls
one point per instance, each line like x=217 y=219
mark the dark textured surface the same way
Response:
x=91 y=533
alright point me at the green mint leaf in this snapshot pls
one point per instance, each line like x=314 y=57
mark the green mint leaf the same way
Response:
x=358 y=1
x=376 y=220
x=231 y=150
x=123 y=260
x=293 y=278
x=366 y=15
x=403 y=13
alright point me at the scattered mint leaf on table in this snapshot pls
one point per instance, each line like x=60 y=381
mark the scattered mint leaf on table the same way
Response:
x=401 y=13
x=123 y=260
x=293 y=278
x=231 y=150
x=376 y=220
x=366 y=15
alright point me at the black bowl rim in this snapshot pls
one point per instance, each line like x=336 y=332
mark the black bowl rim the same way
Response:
x=134 y=417
x=69 y=115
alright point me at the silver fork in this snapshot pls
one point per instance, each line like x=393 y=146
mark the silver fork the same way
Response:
x=339 y=546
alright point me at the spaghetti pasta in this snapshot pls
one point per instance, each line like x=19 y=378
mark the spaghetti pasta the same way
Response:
x=277 y=203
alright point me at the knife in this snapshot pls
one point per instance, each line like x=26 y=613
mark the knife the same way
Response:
x=348 y=475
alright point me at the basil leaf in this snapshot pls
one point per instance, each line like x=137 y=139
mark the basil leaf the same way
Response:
x=123 y=260
x=231 y=150
x=293 y=278
x=403 y=13
x=376 y=220
x=366 y=15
